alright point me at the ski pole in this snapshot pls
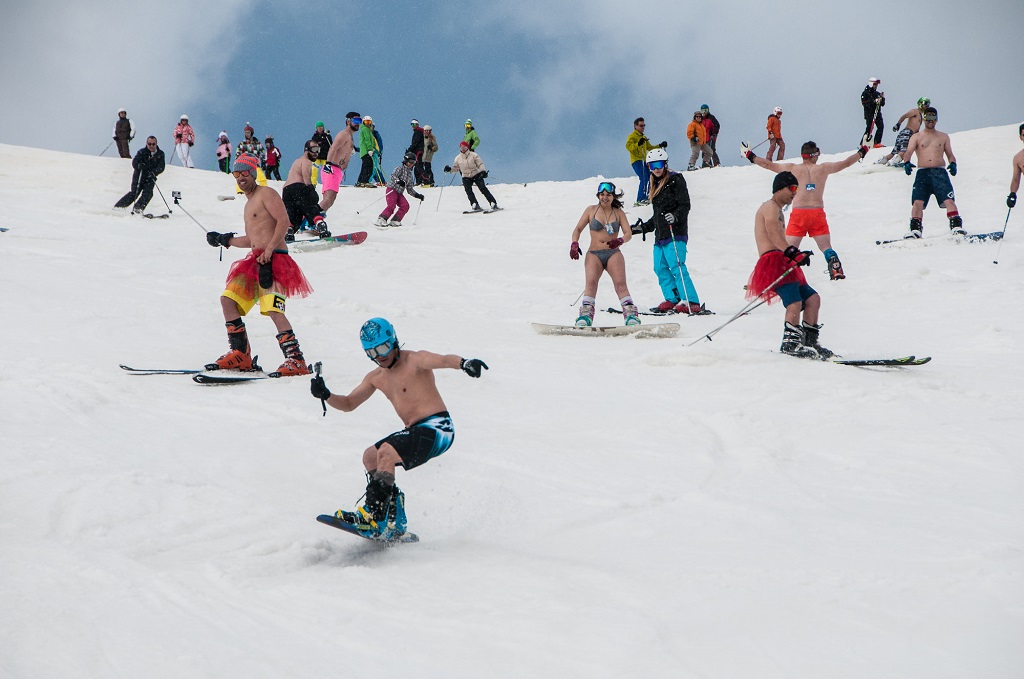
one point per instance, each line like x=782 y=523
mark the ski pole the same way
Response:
x=417 y=215
x=169 y=210
x=1000 y=248
x=177 y=198
x=373 y=203
x=108 y=146
x=761 y=144
x=578 y=298
x=753 y=304
x=441 y=192
x=682 y=278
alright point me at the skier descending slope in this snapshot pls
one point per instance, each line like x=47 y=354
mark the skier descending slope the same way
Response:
x=406 y=378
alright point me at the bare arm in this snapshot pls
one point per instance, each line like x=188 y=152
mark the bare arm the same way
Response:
x=584 y=220
x=431 y=361
x=769 y=165
x=911 y=148
x=947 y=148
x=355 y=399
x=842 y=164
x=1018 y=160
x=627 y=231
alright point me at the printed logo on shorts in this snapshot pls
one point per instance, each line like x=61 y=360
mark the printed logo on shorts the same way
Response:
x=279 y=303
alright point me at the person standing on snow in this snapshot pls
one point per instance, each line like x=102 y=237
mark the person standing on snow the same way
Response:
x=914 y=120
x=775 y=140
x=273 y=162
x=299 y=194
x=872 y=101
x=416 y=148
x=777 y=257
x=267 y=276
x=604 y=221
x=184 y=140
x=430 y=147
x=324 y=140
x=638 y=146
x=473 y=173
x=671 y=202
x=333 y=172
x=400 y=182
x=148 y=163
x=224 y=152
x=471 y=137
x=932 y=148
x=124 y=132
x=1018 y=167
x=378 y=156
x=406 y=378
x=697 y=134
x=367 y=146
x=712 y=126
x=808 y=217
x=251 y=146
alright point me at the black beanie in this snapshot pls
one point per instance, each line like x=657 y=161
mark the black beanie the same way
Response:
x=784 y=180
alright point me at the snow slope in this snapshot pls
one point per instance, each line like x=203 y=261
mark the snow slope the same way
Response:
x=611 y=507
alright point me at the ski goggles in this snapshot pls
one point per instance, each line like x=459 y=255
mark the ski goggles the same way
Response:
x=930 y=117
x=239 y=173
x=357 y=121
x=379 y=351
x=606 y=187
x=657 y=164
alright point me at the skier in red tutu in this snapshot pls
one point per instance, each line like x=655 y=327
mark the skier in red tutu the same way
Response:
x=778 y=274
x=267 y=275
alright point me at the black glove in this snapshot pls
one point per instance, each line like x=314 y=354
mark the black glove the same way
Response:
x=472 y=366
x=1011 y=199
x=663 y=144
x=418 y=196
x=219 y=239
x=908 y=167
x=447 y=168
x=637 y=227
x=800 y=258
x=694 y=139
x=896 y=127
x=642 y=140
x=484 y=174
x=266 y=275
x=319 y=389
x=952 y=168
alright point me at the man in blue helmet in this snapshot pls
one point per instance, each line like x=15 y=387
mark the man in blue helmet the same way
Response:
x=406 y=378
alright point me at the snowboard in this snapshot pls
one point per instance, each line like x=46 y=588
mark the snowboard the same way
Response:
x=643 y=331
x=316 y=244
x=335 y=522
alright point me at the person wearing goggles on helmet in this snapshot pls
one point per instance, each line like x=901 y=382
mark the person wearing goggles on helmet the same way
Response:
x=400 y=182
x=872 y=101
x=406 y=378
x=775 y=141
x=671 y=202
x=914 y=120
x=933 y=149
x=604 y=221
x=300 y=197
x=267 y=276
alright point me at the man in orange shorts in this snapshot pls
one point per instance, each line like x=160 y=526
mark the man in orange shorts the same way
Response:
x=268 y=275
x=808 y=217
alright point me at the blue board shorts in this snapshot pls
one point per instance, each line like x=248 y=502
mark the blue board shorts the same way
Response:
x=423 y=440
x=794 y=292
x=932 y=181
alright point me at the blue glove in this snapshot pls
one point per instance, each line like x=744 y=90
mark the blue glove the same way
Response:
x=952 y=168
x=908 y=167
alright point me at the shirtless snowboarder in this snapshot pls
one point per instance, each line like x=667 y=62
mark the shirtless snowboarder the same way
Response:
x=333 y=172
x=913 y=119
x=267 y=276
x=1018 y=168
x=777 y=257
x=299 y=194
x=406 y=378
x=932 y=148
x=808 y=218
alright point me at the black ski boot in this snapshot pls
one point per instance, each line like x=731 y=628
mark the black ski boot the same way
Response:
x=956 y=226
x=811 y=340
x=793 y=343
x=916 y=229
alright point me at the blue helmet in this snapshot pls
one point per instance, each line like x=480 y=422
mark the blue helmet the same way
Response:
x=378 y=338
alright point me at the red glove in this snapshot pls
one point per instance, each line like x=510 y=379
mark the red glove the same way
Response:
x=615 y=242
x=574 y=250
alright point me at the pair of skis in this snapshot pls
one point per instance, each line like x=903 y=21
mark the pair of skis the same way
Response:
x=481 y=212
x=969 y=238
x=210 y=377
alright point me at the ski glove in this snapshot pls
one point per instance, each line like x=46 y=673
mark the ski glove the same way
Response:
x=800 y=258
x=952 y=168
x=219 y=239
x=896 y=127
x=266 y=274
x=637 y=227
x=1011 y=199
x=574 y=250
x=485 y=175
x=418 y=196
x=746 y=152
x=319 y=389
x=694 y=139
x=663 y=144
x=472 y=366
x=908 y=167
x=670 y=218
x=447 y=168
x=863 y=151
x=615 y=242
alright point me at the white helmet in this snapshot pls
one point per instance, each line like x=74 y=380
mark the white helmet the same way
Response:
x=183 y=117
x=121 y=110
x=873 y=81
x=777 y=110
x=657 y=154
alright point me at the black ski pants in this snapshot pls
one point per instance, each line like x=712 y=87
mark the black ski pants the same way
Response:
x=468 y=182
x=300 y=201
x=366 y=171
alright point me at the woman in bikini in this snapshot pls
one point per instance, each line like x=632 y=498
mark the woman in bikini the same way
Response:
x=606 y=221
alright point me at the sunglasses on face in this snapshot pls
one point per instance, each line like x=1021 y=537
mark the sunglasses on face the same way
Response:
x=379 y=351
x=657 y=164
x=150 y=143
x=641 y=124
x=794 y=188
x=241 y=173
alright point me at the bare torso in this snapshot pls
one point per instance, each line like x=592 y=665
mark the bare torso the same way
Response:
x=770 y=228
x=913 y=120
x=1018 y=169
x=301 y=171
x=605 y=215
x=341 y=150
x=931 y=147
x=410 y=385
x=266 y=220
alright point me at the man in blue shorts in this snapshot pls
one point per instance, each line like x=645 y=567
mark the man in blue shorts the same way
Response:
x=406 y=378
x=932 y=149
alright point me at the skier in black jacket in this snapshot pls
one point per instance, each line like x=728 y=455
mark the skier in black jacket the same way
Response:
x=872 y=100
x=148 y=163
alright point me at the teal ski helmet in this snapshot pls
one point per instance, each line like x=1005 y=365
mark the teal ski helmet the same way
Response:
x=378 y=338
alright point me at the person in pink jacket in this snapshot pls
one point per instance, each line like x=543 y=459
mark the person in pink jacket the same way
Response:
x=224 y=152
x=184 y=139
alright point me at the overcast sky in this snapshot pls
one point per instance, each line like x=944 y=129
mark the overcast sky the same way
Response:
x=553 y=87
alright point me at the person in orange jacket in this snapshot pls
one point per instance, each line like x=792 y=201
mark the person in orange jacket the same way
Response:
x=697 y=134
x=774 y=128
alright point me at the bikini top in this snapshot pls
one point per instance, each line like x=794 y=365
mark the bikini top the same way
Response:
x=611 y=227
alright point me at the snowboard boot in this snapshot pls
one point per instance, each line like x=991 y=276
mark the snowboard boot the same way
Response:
x=630 y=314
x=835 y=268
x=295 y=362
x=238 y=356
x=586 y=317
x=916 y=229
x=381 y=223
x=320 y=226
x=956 y=226
x=397 y=521
x=793 y=343
x=373 y=513
x=811 y=340
x=665 y=307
